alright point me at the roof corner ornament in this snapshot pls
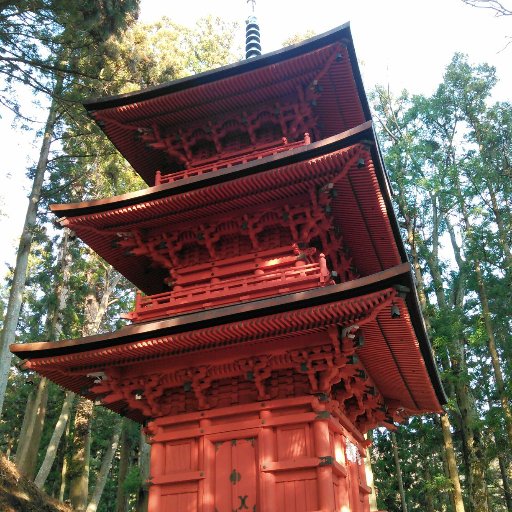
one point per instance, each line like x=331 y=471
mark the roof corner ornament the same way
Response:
x=252 y=33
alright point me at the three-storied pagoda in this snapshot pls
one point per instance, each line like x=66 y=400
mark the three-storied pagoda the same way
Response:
x=277 y=319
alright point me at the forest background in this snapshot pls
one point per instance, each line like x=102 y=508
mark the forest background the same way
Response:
x=449 y=155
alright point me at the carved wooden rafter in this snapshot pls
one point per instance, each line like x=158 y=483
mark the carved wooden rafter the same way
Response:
x=305 y=220
x=292 y=116
x=164 y=247
x=332 y=367
x=164 y=250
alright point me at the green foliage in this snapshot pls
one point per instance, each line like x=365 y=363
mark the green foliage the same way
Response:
x=449 y=157
x=42 y=38
x=299 y=37
x=133 y=481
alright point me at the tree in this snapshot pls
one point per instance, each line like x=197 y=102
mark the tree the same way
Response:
x=33 y=34
x=72 y=30
x=449 y=158
x=299 y=37
x=405 y=157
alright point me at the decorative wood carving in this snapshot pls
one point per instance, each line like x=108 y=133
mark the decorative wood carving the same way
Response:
x=329 y=369
x=249 y=130
x=247 y=255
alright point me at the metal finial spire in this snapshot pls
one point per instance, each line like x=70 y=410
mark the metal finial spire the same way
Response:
x=252 y=34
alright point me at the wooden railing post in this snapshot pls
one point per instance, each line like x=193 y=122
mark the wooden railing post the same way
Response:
x=138 y=301
x=324 y=271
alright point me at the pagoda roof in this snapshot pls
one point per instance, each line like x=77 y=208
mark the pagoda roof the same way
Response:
x=396 y=352
x=341 y=106
x=362 y=207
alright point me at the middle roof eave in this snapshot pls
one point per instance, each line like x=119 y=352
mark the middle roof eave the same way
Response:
x=97 y=222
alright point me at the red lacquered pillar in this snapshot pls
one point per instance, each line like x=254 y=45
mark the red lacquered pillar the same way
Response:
x=324 y=473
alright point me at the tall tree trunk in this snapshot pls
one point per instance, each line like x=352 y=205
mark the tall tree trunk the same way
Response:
x=124 y=462
x=449 y=454
x=429 y=499
x=142 y=498
x=503 y=232
x=505 y=479
x=51 y=450
x=493 y=351
x=488 y=323
x=398 y=468
x=26 y=457
x=501 y=454
x=446 y=497
x=452 y=463
x=29 y=412
x=62 y=287
x=472 y=442
x=104 y=470
x=79 y=463
x=79 y=467
x=65 y=463
x=20 y=271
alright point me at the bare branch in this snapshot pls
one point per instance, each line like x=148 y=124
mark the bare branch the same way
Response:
x=494 y=5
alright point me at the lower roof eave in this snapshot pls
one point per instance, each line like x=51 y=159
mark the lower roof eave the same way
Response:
x=399 y=275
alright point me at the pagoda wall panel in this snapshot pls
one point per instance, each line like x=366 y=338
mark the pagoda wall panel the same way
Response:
x=182 y=498
x=285 y=454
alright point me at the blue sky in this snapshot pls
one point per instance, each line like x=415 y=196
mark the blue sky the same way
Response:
x=403 y=43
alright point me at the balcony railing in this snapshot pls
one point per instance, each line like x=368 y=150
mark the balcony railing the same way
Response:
x=230 y=291
x=229 y=160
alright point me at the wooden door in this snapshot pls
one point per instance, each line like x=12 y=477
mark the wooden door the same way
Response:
x=235 y=476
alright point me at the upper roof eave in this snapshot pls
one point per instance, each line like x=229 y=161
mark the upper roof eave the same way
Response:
x=341 y=33
x=363 y=132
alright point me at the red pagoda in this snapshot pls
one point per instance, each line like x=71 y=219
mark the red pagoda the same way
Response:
x=277 y=319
